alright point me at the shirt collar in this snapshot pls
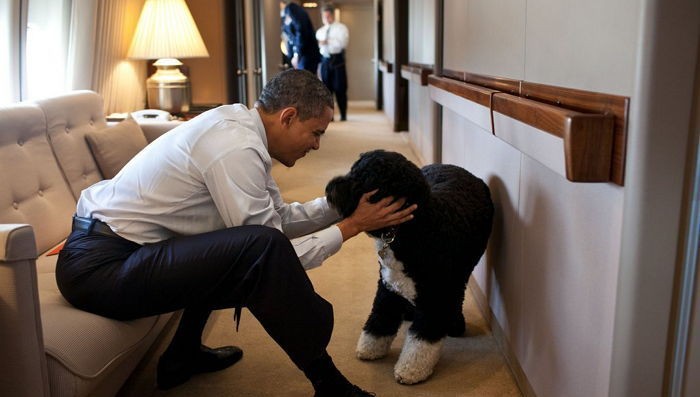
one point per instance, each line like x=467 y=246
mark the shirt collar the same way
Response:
x=260 y=126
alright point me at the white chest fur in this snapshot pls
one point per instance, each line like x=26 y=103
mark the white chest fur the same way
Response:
x=392 y=273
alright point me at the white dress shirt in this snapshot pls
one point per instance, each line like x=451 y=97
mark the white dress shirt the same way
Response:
x=207 y=174
x=337 y=35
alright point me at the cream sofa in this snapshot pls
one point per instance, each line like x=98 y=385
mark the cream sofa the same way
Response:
x=47 y=347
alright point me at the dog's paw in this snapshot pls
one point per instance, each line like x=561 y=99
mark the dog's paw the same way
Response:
x=372 y=347
x=417 y=360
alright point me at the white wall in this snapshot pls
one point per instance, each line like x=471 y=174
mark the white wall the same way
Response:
x=421 y=49
x=387 y=54
x=581 y=276
x=657 y=157
x=551 y=270
x=421 y=31
x=359 y=18
x=420 y=122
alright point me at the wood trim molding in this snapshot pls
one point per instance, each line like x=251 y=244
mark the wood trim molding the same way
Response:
x=588 y=137
x=502 y=84
x=478 y=112
x=385 y=66
x=417 y=72
x=482 y=302
x=590 y=102
x=472 y=92
x=593 y=126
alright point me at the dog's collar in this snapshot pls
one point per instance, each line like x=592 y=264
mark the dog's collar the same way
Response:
x=387 y=237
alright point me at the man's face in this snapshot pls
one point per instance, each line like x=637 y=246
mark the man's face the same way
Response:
x=327 y=17
x=300 y=137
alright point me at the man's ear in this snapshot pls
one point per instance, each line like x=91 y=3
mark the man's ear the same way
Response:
x=287 y=115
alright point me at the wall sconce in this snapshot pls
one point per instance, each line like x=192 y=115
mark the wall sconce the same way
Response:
x=166 y=31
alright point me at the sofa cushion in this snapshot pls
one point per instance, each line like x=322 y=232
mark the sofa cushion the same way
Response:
x=46 y=263
x=153 y=129
x=33 y=188
x=114 y=146
x=68 y=118
x=84 y=343
x=49 y=347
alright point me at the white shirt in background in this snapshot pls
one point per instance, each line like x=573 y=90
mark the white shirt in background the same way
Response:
x=207 y=174
x=337 y=37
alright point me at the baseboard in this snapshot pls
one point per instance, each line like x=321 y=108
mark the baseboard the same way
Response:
x=511 y=360
x=414 y=149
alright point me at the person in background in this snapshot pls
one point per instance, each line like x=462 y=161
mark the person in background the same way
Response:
x=195 y=221
x=332 y=39
x=302 y=47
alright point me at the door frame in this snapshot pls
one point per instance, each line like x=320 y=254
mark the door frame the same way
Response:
x=234 y=41
x=378 y=51
x=400 y=58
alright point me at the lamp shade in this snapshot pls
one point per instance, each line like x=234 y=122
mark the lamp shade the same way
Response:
x=166 y=29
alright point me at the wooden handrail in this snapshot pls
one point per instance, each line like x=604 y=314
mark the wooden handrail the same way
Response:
x=590 y=102
x=588 y=137
x=385 y=66
x=472 y=92
x=592 y=125
x=420 y=70
x=502 y=84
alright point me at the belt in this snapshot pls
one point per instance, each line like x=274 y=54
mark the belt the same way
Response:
x=92 y=226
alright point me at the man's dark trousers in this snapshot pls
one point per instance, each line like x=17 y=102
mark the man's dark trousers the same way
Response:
x=248 y=266
x=335 y=78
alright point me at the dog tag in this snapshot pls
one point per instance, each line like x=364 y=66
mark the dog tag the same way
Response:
x=387 y=238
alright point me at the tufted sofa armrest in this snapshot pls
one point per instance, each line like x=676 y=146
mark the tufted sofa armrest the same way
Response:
x=23 y=370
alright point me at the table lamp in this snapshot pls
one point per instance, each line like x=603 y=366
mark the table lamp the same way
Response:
x=166 y=31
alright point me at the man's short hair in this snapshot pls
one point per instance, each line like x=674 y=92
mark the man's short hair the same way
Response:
x=297 y=88
x=328 y=7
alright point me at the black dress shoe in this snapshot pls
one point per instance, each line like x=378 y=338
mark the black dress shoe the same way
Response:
x=176 y=370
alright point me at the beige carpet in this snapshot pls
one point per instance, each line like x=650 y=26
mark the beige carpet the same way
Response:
x=470 y=366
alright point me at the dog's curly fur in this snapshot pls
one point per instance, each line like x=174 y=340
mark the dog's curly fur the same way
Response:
x=424 y=271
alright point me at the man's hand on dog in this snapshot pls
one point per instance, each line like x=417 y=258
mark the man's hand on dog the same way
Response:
x=372 y=216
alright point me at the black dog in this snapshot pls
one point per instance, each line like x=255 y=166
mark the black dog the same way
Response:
x=425 y=263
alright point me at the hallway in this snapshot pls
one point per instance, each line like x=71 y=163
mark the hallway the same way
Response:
x=470 y=366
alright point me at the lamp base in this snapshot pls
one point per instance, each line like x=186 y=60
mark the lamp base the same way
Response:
x=168 y=89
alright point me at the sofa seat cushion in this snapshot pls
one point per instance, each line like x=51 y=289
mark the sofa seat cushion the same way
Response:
x=46 y=263
x=87 y=345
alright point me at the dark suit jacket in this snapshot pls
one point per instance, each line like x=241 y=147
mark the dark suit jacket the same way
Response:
x=301 y=37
